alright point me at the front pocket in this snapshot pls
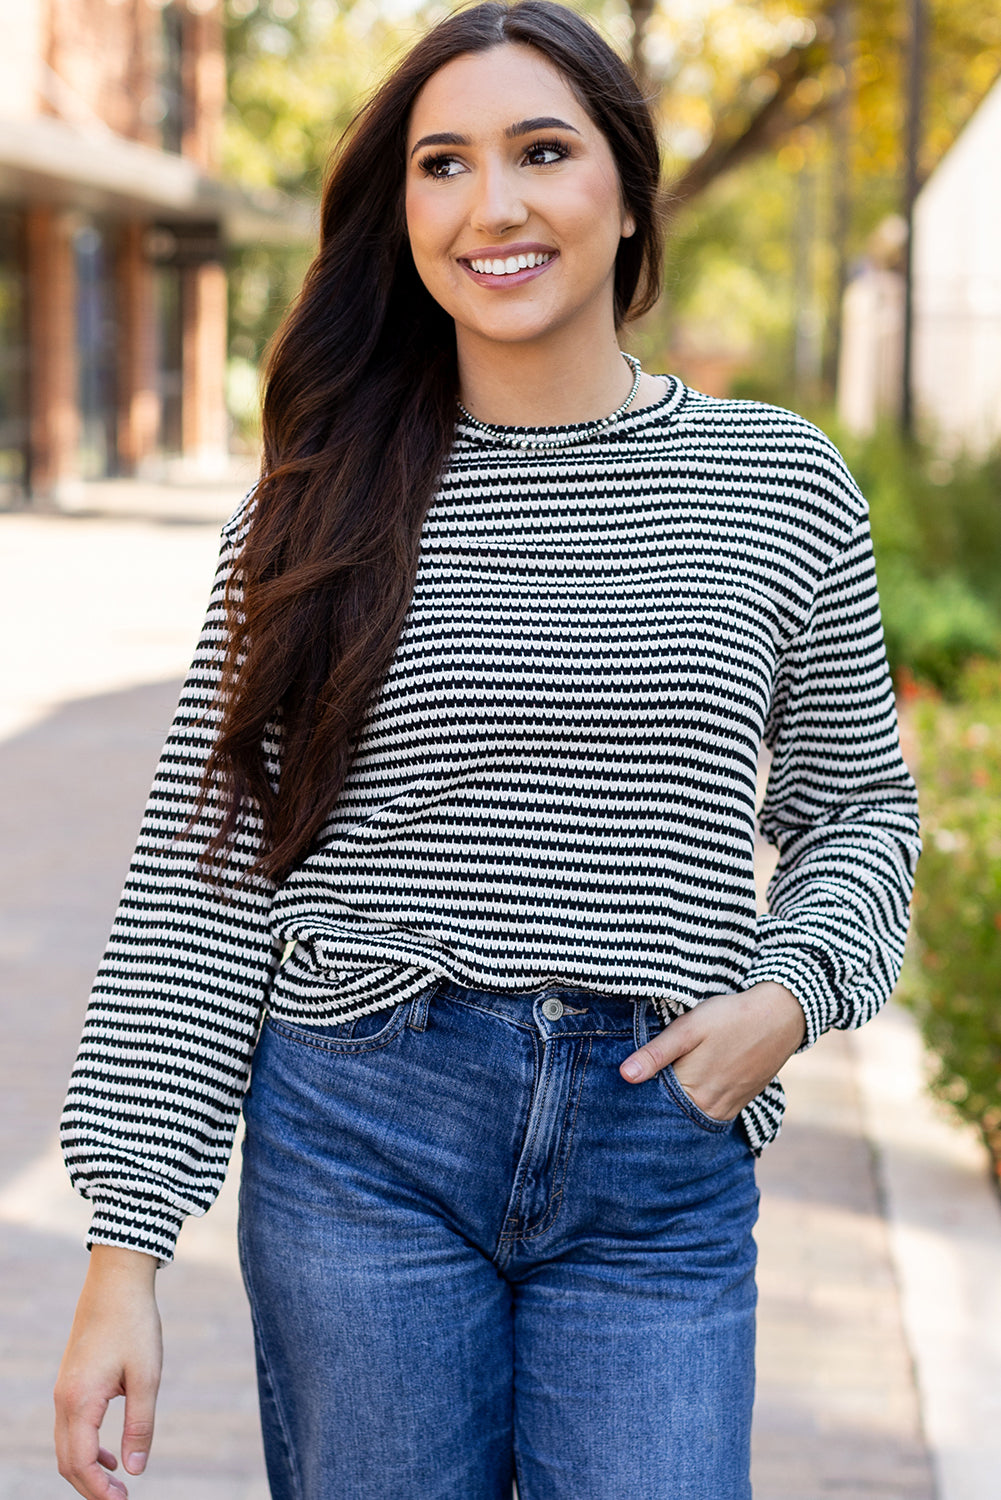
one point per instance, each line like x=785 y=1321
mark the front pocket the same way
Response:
x=687 y=1105
x=360 y=1034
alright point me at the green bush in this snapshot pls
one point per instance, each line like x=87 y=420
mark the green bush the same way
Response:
x=933 y=626
x=955 y=984
x=936 y=531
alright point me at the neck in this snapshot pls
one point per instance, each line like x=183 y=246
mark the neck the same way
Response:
x=541 y=385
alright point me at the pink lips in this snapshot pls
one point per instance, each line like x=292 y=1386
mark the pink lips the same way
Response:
x=503 y=252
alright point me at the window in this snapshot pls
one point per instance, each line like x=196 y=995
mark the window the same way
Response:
x=96 y=342
x=13 y=359
x=171 y=78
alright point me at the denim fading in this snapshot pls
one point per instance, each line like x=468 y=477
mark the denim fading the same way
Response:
x=474 y=1253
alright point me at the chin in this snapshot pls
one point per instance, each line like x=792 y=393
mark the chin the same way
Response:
x=509 y=330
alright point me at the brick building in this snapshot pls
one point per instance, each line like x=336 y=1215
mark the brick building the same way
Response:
x=113 y=226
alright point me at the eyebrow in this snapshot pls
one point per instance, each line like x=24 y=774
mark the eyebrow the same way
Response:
x=520 y=127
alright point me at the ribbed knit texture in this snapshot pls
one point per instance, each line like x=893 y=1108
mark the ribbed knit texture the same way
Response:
x=556 y=787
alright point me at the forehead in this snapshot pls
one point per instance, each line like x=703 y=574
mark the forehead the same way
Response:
x=479 y=91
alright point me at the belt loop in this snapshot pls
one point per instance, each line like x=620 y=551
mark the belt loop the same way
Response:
x=641 y=1033
x=418 y=1017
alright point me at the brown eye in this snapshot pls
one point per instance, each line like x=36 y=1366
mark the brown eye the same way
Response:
x=546 y=153
x=440 y=167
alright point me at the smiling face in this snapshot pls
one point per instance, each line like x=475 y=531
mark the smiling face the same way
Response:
x=513 y=203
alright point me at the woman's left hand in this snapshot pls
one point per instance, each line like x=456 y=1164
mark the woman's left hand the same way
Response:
x=727 y=1049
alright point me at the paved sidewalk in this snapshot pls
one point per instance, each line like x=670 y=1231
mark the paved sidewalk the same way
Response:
x=101 y=612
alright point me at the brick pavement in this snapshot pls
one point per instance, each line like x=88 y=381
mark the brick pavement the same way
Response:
x=837 y=1412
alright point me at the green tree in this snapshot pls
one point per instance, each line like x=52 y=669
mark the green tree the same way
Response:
x=788 y=119
x=748 y=93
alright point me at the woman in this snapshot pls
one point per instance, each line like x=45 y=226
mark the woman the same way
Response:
x=460 y=795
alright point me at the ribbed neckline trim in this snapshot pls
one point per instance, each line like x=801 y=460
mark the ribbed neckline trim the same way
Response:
x=665 y=406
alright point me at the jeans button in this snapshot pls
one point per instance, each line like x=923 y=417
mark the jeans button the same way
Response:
x=552 y=1009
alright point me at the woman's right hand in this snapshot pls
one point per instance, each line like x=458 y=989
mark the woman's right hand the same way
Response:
x=114 y=1349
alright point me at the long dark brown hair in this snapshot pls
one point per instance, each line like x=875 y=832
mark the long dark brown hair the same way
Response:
x=358 y=417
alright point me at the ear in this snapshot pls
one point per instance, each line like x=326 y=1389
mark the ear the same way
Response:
x=628 y=225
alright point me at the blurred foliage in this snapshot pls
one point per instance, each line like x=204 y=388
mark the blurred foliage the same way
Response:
x=738 y=305
x=936 y=528
x=263 y=281
x=953 y=979
x=738 y=269
x=297 y=72
x=733 y=282
x=934 y=625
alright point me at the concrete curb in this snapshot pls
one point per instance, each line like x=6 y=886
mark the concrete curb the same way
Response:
x=944 y=1220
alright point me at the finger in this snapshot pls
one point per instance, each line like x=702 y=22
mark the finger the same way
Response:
x=137 y=1431
x=95 y=1484
x=82 y=1462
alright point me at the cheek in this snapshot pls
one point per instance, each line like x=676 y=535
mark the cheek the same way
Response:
x=413 y=219
x=591 y=197
x=594 y=214
x=429 y=223
x=430 y=238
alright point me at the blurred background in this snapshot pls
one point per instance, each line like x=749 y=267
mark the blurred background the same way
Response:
x=834 y=171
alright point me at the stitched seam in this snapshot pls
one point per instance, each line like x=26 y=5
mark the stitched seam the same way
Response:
x=566 y=1135
x=539 y=1091
x=566 y=1139
x=288 y=1030
x=555 y=1202
x=690 y=1109
x=529 y=1023
x=289 y=1447
x=484 y=1010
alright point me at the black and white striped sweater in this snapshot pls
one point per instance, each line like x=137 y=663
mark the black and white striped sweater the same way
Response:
x=556 y=785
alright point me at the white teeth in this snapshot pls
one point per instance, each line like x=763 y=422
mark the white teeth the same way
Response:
x=512 y=264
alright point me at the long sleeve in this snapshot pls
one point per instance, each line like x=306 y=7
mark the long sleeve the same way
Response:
x=840 y=806
x=155 y=1094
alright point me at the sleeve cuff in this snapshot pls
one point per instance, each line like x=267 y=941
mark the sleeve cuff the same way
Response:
x=150 y=1227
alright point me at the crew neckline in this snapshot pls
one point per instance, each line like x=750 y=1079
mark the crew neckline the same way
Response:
x=665 y=405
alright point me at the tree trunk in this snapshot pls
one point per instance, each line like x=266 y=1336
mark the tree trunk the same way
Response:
x=641 y=11
x=843 y=19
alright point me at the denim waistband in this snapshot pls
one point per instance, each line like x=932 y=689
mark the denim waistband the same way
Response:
x=553 y=1008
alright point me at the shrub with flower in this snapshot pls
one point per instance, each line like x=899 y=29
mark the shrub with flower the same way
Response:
x=954 y=982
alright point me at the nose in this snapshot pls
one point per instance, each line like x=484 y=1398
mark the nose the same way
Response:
x=498 y=204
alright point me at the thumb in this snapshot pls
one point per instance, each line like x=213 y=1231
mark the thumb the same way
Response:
x=670 y=1044
x=137 y=1432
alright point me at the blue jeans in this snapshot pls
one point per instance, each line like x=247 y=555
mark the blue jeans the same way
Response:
x=474 y=1253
